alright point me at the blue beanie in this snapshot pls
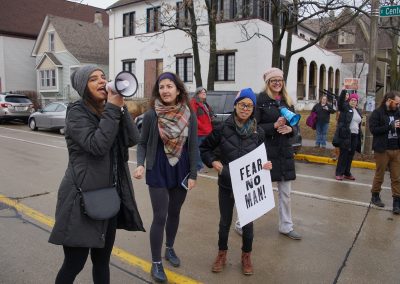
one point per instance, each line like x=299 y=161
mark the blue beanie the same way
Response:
x=246 y=93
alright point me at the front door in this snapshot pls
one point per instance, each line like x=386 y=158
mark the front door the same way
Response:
x=152 y=69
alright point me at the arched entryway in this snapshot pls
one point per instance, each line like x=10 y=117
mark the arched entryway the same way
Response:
x=330 y=79
x=322 y=79
x=301 y=78
x=312 y=81
x=337 y=82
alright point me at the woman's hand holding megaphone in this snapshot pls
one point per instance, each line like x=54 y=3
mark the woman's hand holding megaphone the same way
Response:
x=284 y=129
x=280 y=122
x=114 y=98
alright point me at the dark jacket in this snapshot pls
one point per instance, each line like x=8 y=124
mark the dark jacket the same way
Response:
x=342 y=137
x=279 y=148
x=379 y=125
x=323 y=115
x=92 y=144
x=231 y=146
x=147 y=146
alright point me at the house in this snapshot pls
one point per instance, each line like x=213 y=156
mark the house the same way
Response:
x=20 y=24
x=62 y=46
x=138 y=43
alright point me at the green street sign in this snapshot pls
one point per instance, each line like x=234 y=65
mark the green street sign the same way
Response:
x=389 y=11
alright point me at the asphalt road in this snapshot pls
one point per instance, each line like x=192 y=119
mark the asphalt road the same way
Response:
x=343 y=240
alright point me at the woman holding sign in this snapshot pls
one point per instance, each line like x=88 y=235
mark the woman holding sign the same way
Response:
x=277 y=141
x=237 y=136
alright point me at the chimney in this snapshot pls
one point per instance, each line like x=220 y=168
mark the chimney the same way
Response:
x=98 y=19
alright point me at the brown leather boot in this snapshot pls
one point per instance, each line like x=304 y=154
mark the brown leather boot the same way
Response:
x=247 y=267
x=220 y=261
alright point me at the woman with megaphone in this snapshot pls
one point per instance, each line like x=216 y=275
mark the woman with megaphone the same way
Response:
x=98 y=132
x=278 y=131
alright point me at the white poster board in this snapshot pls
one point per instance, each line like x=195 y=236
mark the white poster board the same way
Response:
x=252 y=186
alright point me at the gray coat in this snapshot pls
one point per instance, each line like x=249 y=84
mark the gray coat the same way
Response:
x=147 y=146
x=91 y=149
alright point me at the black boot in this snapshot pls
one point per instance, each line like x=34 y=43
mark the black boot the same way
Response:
x=376 y=200
x=396 y=205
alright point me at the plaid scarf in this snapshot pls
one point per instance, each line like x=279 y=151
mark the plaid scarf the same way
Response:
x=246 y=129
x=173 y=124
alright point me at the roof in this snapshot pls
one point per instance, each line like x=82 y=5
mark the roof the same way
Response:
x=52 y=57
x=86 y=41
x=24 y=18
x=123 y=3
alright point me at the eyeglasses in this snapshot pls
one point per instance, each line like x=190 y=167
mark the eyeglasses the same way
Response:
x=276 y=81
x=244 y=106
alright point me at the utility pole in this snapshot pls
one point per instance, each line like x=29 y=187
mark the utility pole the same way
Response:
x=371 y=80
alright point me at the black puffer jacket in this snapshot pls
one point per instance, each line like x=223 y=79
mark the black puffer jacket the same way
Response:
x=279 y=148
x=92 y=144
x=231 y=146
x=342 y=137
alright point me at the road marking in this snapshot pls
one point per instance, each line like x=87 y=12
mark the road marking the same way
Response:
x=123 y=255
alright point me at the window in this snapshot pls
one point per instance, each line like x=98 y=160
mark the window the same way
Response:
x=51 y=41
x=184 y=68
x=129 y=65
x=153 y=19
x=264 y=10
x=281 y=62
x=128 y=24
x=47 y=78
x=182 y=15
x=225 y=67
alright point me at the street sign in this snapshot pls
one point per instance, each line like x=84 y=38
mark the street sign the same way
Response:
x=389 y=11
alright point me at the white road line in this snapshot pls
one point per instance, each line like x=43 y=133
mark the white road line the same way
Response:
x=32 y=142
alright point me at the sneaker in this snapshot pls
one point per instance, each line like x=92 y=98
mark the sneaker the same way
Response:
x=171 y=256
x=339 y=177
x=293 y=235
x=350 y=177
x=238 y=229
x=157 y=272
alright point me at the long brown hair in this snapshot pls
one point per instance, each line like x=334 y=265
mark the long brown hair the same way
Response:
x=183 y=96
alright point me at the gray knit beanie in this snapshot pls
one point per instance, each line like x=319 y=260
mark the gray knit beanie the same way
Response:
x=199 y=89
x=80 y=77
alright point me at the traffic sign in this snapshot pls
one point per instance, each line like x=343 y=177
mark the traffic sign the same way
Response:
x=389 y=11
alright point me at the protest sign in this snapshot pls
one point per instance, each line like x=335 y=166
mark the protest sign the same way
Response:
x=252 y=187
x=351 y=83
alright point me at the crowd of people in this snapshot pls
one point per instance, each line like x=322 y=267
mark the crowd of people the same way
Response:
x=177 y=138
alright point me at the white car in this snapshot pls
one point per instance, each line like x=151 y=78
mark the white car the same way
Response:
x=52 y=117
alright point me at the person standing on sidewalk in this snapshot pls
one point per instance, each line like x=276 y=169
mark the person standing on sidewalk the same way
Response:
x=168 y=143
x=204 y=116
x=347 y=135
x=384 y=124
x=235 y=137
x=323 y=111
x=277 y=142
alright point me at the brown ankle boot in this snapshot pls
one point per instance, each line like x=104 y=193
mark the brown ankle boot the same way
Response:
x=220 y=261
x=247 y=267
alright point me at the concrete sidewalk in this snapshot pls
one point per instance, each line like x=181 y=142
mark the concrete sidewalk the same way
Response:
x=328 y=160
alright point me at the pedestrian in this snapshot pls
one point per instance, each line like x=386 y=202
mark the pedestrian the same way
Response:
x=235 y=137
x=98 y=132
x=323 y=111
x=384 y=124
x=168 y=143
x=339 y=109
x=348 y=135
x=204 y=116
x=277 y=142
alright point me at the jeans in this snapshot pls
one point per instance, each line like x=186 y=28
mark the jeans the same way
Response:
x=285 y=212
x=389 y=159
x=200 y=140
x=322 y=129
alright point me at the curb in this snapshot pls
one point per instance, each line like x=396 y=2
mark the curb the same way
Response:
x=330 y=161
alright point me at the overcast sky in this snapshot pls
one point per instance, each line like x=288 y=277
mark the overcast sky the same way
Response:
x=96 y=3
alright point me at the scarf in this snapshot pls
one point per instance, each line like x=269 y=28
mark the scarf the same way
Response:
x=246 y=129
x=173 y=124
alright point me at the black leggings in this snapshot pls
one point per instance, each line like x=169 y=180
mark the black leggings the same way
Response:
x=166 y=205
x=75 y=259
x=346 y=157
x=226 y=203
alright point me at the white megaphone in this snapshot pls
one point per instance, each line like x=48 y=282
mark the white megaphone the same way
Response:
x=124 y=84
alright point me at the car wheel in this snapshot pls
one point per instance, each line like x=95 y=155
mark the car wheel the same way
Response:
x=32 y=124
x=62 y=131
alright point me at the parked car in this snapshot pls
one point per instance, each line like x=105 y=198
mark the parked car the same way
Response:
x=15 y=107
x=52 y=117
